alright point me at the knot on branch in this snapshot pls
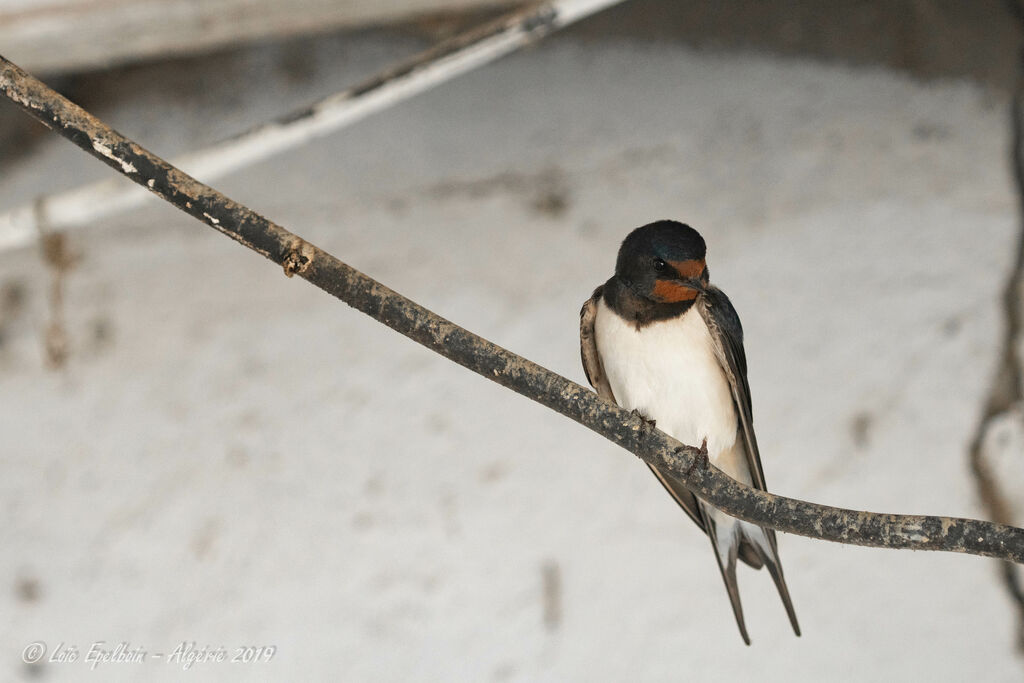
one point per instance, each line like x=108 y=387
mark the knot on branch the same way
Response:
x=297 y=260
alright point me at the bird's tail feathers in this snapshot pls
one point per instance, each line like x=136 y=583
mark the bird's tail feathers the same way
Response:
x=726 y=547
x=732 y=538
x=765 y=547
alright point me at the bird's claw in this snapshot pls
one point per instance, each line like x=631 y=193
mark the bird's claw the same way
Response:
x=647 y=422
x=700 y=461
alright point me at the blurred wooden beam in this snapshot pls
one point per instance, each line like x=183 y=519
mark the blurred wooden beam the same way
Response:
x=446 y=60
x=72 y=35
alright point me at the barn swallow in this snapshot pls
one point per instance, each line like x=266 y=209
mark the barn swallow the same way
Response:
x=657 y=338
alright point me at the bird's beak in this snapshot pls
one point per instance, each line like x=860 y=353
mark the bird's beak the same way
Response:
x=694 y=283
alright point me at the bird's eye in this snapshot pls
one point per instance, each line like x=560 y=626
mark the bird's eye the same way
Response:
x=660 y=265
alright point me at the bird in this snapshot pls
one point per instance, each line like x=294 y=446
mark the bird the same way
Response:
x=659 y=339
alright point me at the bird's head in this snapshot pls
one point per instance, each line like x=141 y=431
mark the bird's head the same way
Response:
x=663 y=262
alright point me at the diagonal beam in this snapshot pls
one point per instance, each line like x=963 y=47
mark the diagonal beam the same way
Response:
x=84 y=205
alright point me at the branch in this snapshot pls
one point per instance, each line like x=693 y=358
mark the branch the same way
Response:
x=299 y=257
x=80 y=206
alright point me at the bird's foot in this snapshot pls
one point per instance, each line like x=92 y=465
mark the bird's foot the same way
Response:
x=700 y=461
x=648 y=423
x=646 y=428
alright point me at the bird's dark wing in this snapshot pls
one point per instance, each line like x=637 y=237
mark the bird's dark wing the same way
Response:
x=592 y=366
x=727 y=333
x=595 y=375
x=724 y=324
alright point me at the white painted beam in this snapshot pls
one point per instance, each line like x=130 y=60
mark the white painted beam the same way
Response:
x=84 y=205
x=47 y=36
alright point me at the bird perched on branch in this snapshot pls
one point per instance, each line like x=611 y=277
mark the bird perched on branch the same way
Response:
x=657 y=338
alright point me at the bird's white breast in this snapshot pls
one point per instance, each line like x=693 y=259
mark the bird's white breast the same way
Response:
x=668 y=371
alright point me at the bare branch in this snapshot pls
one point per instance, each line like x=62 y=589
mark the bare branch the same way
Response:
x=299 y=257
x=80 y=206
